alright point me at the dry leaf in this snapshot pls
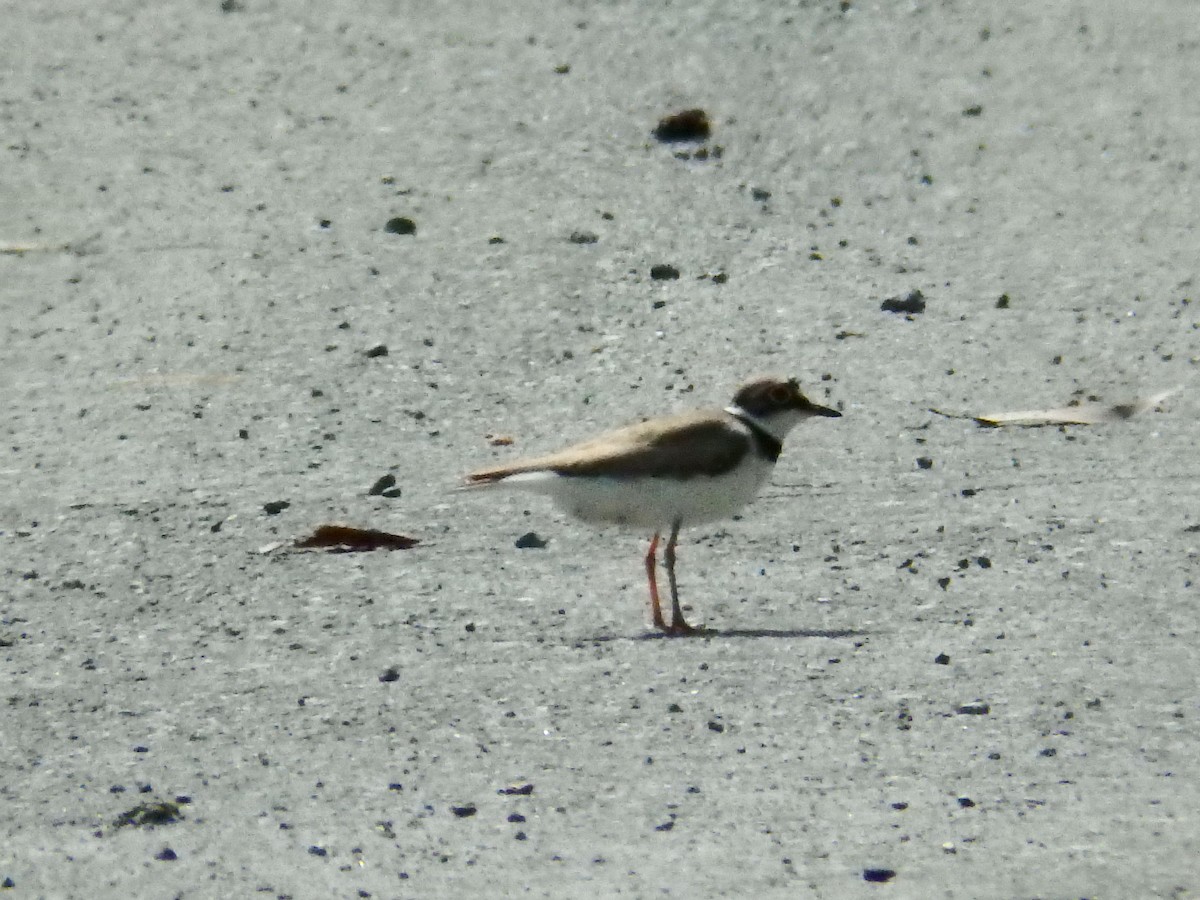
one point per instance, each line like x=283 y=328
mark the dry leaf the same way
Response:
x=348 y=539
x=1084 y=414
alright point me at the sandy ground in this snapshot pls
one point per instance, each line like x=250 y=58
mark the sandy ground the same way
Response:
x=970 y=676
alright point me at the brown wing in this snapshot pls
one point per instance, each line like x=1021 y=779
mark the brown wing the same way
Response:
x=703 y=442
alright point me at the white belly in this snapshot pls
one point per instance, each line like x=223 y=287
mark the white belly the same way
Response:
x=652 y=503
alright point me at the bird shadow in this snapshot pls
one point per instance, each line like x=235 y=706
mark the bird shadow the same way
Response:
x=703 y=633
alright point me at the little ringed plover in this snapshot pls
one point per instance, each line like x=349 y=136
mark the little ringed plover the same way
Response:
x=668 y=473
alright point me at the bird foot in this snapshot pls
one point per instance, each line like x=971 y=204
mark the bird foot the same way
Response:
x=680 y=628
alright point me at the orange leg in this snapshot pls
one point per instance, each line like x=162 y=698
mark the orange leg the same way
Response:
x=652 y=577
x=679 y=625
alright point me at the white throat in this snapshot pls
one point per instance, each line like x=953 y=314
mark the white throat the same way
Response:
x=778 y=425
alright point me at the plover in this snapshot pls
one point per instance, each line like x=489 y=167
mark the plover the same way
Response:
x=668 y=473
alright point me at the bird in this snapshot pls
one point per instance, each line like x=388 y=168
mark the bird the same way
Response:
x=667 y=473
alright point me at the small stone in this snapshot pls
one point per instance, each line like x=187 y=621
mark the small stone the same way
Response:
x=966 y=802
x=383 y=484
x=376 y=350
x=664 y=272
x=314 y=850
x=464 y=812
x=911 y=304
x=166 y=854
x=400 y=225
x=974 y=708
x=275 y=507
x=524 y=789
x=531 y=541
x=688 y=125
x=584 y=237
x=761 y=195
x=390 y=674
x=878 y=875
x=942 y=659
x=924 y=462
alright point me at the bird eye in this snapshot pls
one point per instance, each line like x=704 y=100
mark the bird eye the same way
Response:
x=780 y=395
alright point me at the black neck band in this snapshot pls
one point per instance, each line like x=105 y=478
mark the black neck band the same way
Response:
x=768 y=446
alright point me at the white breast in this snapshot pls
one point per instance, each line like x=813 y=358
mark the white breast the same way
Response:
x=652 y=503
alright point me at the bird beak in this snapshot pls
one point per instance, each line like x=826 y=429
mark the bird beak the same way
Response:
x=814 y=409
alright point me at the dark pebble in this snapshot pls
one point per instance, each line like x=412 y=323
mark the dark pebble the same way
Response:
x=911 y=304
x=688 y=125
x=530 y=540
x=384 y=483
x=275 y=507
x=166 y=854
x=400 y=225
x=517 y=790
x=878 y=875
x=664 y=272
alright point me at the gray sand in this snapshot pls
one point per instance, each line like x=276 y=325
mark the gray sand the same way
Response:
x=171 y=166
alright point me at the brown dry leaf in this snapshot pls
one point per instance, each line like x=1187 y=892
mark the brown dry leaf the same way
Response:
x=499 y=440
x=348 y=539
x=15 y=248
x=1084 y=414
x=20 y=248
